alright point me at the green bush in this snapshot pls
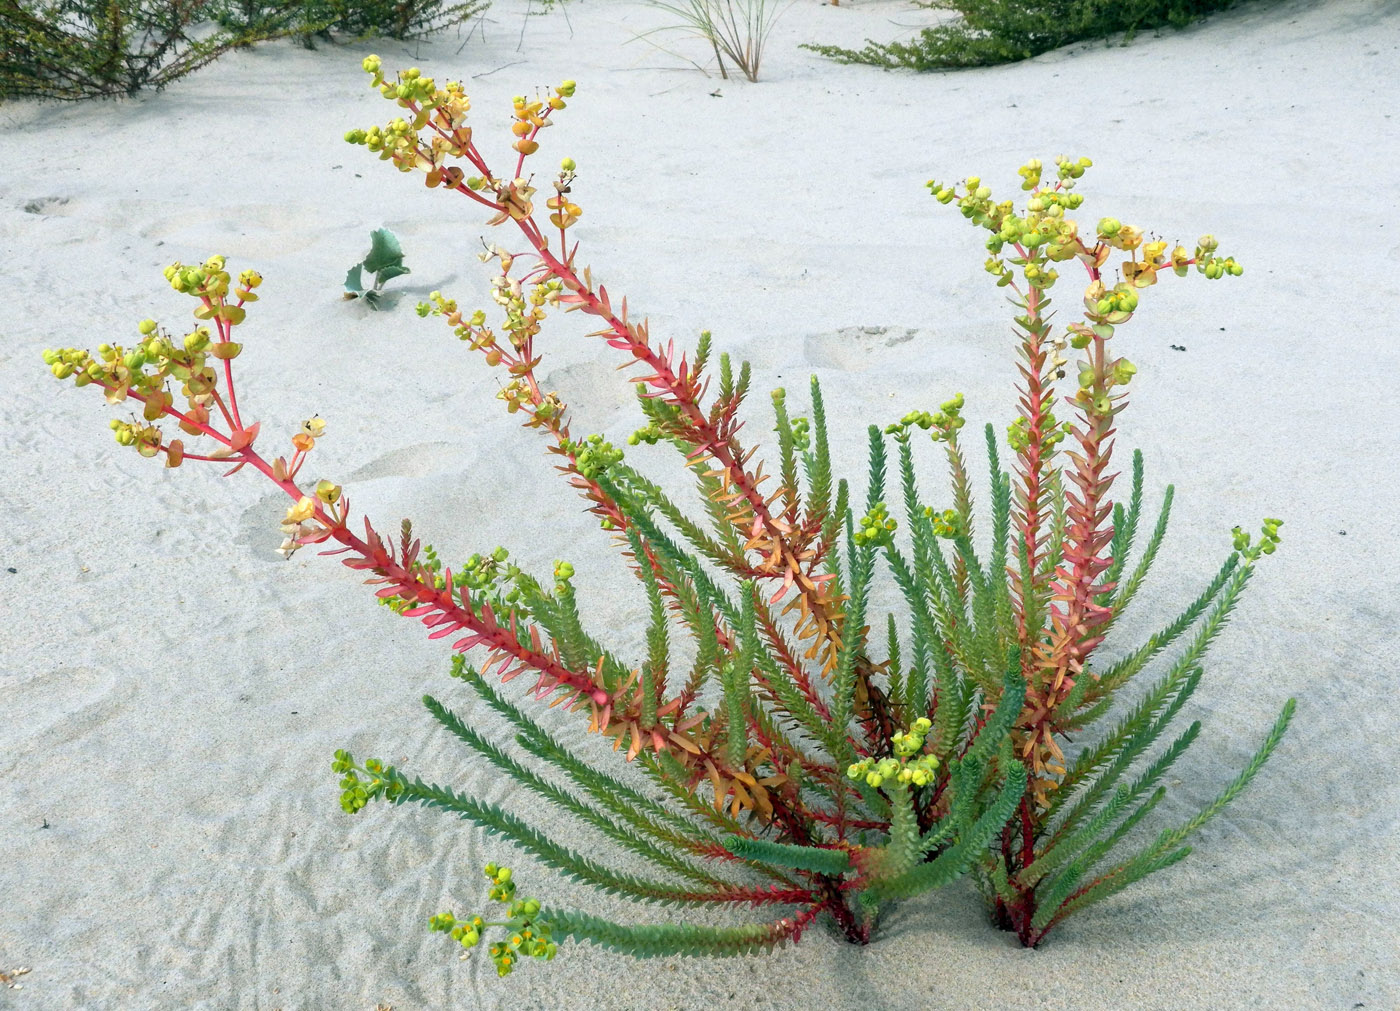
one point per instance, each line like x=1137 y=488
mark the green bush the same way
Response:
x=72 y=49
x=390 y=19
x=405 y=20
x=1004 y=31
x=393 y=19
x=280 y=17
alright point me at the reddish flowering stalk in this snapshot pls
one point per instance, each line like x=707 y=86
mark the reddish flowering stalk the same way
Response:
x=548 y=412
x=438 y=608
x=554 y=279
x=1076 y=616
x=1035 y=400
x=788 y=554
x=447 y=610
x=1054 y=657
x=715 y=437
x=1063 y=584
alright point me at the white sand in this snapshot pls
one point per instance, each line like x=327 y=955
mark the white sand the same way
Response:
x=172 y=692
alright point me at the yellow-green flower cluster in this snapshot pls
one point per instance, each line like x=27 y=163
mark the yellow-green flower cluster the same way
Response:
x=465 y=932
x=650 y=433
x=148 y=367
x=473 y=574
x=801 y=434
x=876 y=527
x=910 y=742
x=471 y=329
x=355 y=792
x=1043 y=233
x=942 y=427
x=662 y=418
x=1120 y=374
x=946 y=523
x=529 y=936
x=907 y=767
x=948 y=420
x=1268 y=540
x=1121 y=299
x=444 y=110
x=1104 y=308
x=210 y=284
x=123 y=370
x=524 y=313
x=1029 y=173
x=146 y=438
x=493 y=578
x=563 y=572
x=489 y=578
x=1211 y=265
x=799 y=429
x=502 y=887
x=592 y=455
x=1018 y=432
x=1069 y=169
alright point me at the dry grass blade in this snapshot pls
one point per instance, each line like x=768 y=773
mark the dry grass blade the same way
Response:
x=737 y=29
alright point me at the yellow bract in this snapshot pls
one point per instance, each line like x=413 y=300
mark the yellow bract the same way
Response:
x=302 y=511
x=328 y=492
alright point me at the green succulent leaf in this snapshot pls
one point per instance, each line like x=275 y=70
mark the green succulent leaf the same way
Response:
x=354 y=283
x=384 y=251
x=386 y=274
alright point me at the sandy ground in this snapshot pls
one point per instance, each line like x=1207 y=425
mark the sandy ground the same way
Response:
x=172 y=691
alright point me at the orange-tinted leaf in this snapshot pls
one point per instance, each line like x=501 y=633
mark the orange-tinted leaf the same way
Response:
x=243 y=438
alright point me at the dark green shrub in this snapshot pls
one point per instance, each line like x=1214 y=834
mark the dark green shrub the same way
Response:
x=73 y=49
x=392 y=19
x=1004 y=31
x=279 y=17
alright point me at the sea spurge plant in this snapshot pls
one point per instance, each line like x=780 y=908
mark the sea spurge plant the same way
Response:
x=802 y=761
